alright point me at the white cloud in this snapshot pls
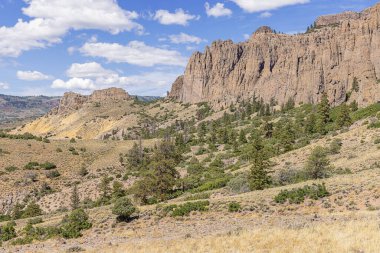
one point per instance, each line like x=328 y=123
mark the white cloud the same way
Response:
x=87 y=70
x=265 y=14
x=184 y=38
x=218 y=10
x=4 y=86
x=32 y=76
x=51 y=20
x=266 y=5
x=135 y=52
x=179 y=17
x=92 y=75
x=74 y=83
x=246 y=36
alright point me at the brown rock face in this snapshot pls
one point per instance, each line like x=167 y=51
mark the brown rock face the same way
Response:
x=280 y=66
x=72 y=101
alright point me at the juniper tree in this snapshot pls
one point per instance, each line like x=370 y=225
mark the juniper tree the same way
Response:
x=259 y=178
x=318 y=164
x=75 y=201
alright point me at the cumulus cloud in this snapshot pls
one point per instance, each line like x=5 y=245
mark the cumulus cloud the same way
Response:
x=51 y=20
x=87 y=70
x=184 y=38
x=32 y=76
x=4 y=86
x=135 y=53
x=260 y=5
x=179 y=17
x=217 y=11
x=92 y=75
x=74 y=83
x=265 y=14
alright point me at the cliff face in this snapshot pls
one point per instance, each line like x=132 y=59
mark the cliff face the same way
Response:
x=343 y=48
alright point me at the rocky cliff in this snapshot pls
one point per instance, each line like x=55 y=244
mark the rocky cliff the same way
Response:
x=343 y=48
x=72 y=101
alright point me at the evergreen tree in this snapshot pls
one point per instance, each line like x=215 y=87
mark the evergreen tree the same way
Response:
x=268 y=129
x=259 y=178
x=310 y=124
x=343 y=118
x=117 y=190
x=75 y=201
x=242 y=138
x=104 y=187
x=288 y=137
x=318 y=165
x=323 y=114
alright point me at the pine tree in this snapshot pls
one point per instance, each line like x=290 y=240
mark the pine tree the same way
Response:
x=343 y=118
x=242 y=138
x=323 y=114
x=268 y=129
x=259 y=178
x=310 y=126
x=318 y=165
x=75 y=201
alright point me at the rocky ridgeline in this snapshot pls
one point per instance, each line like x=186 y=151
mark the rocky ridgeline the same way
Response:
x=343 y=48
x=72 y=101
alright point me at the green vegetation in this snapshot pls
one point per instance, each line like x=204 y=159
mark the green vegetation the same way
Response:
x=124 y=209
x=298 y=195
x=234 y=207
x=73 y=224
x=318 y=165
x=186 y=208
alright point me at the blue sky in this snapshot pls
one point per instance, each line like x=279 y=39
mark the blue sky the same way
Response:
x=52 y=46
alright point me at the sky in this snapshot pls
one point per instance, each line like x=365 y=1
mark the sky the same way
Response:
x=48 y=47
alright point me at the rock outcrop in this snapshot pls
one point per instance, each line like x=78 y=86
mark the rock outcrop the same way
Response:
x=72 y=101
x=300 y=67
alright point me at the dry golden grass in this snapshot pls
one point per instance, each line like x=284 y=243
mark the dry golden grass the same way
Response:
x=354 y=236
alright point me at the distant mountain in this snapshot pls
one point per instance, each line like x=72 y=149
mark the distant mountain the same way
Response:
x=15 y=110
x=147 y=98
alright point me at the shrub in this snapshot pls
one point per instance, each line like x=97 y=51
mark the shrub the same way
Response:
x=212 y=184
x=31 y=210
x=48 y=166
x=8 y=232
x=239 y=184
x=298 y=195
x=234 y=207
x=11 y=168
x=291 y=176
x=52 y=174
x=72 y=140
x=32 y=166
x=83 y=172
x=59 y=150
x=35 y=221
x=123 y=208
x=187 y=208
x=5 y=217
x=73 y=224
x=335 y=146
x=376 y=141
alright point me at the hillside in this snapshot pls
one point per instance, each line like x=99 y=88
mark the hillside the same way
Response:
x=15 y=110
x=337 y=56
x=106 y=114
